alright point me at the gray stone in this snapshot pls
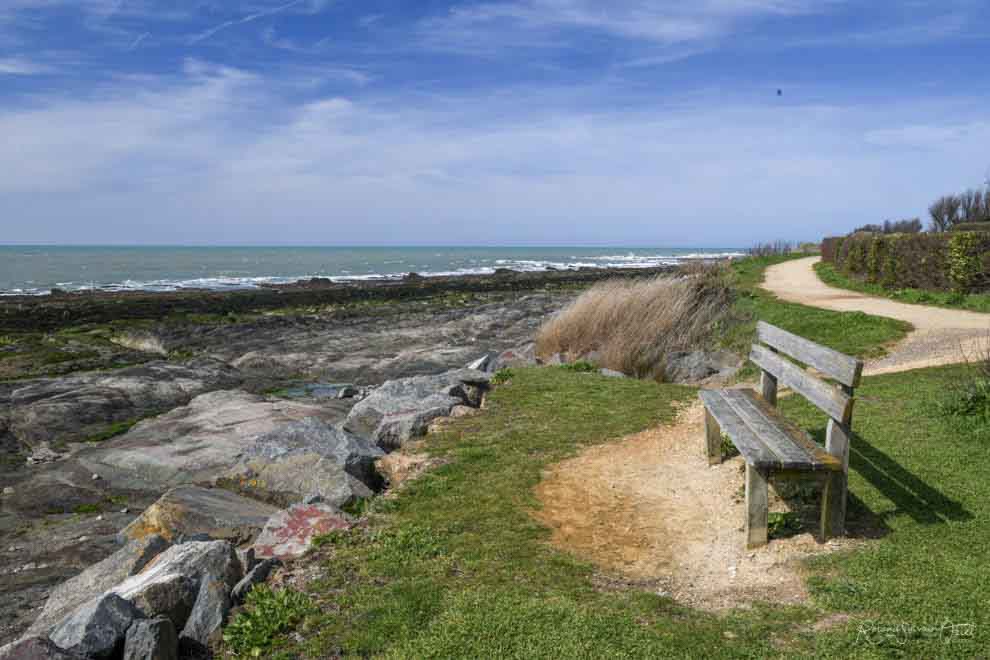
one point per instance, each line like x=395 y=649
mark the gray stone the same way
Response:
x=257 y=575
x=197 y=560
x=289 y=533
x=611 y=373
x=209 y=614
x=35 y=648
x=312 y=436
x=190 y=510
x=171 y=595
x=194 y=443
x=402 y=409
x=97 y=580
x=151 y=639
x=97 y=628
x=348 y=392
x=74 y=407
x=247 y=558
x=696 y=366
x=484 y=363
x=521 y=356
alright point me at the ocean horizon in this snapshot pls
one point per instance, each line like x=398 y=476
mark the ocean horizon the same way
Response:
x=37 y=269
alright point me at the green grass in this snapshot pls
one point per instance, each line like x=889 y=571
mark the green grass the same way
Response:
x=254 y=632
x=113 y=430
x=455 y=566
x=975 y=302
x=853 y=333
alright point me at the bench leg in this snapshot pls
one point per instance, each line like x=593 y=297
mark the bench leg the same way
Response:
x=757 y=507
x=713 y=439
x=834 y=497
x=834 y=506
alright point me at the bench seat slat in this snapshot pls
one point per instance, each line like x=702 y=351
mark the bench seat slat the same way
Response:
x=830 y=400
x=843 y=368
x=821 y=458
x=791 y=455
x=765 y=438
x=749 y=445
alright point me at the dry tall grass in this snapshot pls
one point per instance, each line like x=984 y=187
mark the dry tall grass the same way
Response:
x=632 y=325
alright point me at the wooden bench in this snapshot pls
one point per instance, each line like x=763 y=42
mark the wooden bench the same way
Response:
x=770 y=444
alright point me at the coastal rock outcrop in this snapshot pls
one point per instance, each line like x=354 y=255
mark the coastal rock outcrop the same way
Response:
x=97 y=580
x=288 y=534
x=191 y=511
x=402 y=409
x=73 y=408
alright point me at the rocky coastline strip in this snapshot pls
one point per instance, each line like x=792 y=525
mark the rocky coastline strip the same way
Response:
x=231 y=444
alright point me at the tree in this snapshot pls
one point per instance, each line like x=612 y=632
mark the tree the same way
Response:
x=944 y=213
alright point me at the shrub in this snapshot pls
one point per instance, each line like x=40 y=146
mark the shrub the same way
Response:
x=632 y=325
x=267 y=614
x=967 y=399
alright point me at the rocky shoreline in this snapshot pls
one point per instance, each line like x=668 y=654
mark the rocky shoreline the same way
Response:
x=134 y=425
x=159 y=467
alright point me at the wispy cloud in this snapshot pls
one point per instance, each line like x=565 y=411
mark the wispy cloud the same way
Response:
x=534 y=22
x=18 y=66
x=202 y=36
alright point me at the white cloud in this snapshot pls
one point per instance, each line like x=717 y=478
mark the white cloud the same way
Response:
x=665 y=23
x=19 y=66
x=220 y=156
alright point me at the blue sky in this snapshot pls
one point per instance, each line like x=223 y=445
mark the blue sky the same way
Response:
x=502 y=122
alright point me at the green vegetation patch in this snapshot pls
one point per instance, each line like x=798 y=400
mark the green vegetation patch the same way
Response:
x=976 y=302
x=253 y=633
x=113 y=430
x=455 y=565
x=853 y=333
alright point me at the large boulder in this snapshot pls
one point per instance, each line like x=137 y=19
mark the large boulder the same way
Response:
x=97 y=628
x=303 y=459
x=209 y=614
x=170 y=595
x=521 y=356
x=97 y=580
x=256 y=575
x=151 y=639
x=189 y=511
x=35 y=648
x=73 y=408
x=403 y=409
x=696 y=366
x=194 y=443
x=289 y=534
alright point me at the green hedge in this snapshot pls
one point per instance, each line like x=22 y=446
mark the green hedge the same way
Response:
x=958 y=261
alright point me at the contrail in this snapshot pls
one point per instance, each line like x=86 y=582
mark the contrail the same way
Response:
x=247 y=19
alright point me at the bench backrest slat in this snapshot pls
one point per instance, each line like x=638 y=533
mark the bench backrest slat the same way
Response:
x=836 y=404
x=846 y=370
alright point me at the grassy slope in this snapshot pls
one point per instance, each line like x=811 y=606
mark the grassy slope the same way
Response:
x=853 y=333
x=454 y=566
x=976 y=302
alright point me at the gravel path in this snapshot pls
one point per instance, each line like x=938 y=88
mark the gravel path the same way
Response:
x=940 y=336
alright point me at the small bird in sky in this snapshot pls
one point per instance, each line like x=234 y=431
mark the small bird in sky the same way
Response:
x=780 y=92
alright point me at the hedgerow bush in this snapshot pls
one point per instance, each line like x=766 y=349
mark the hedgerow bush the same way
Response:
x=955 y=261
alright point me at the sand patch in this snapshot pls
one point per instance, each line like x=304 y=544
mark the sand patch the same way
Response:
x=650 y=508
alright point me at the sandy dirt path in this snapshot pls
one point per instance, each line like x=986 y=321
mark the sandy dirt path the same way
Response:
x=940 y=336
x=648 y=507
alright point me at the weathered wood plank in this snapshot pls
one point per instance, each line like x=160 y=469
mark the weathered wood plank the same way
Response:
x=834 y=403
x=791 y=455
x=748 y=444
x=834 y=498
x=768 y=387
x=843 y=368
x=795 y=433
x=757 y=507
x=713 y=439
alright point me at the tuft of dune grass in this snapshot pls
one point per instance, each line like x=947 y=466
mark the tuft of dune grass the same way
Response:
x=632 y=325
